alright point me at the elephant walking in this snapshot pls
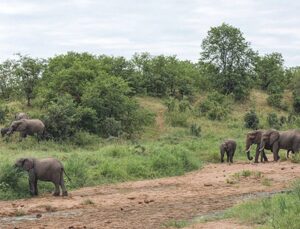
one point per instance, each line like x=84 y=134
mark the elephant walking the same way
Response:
x=228 y=147
x=254 y=137
x=27 y=127
x=48 y=169
x=288 y=140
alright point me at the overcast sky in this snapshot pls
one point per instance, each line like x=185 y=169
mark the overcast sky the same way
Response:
x=123 y=27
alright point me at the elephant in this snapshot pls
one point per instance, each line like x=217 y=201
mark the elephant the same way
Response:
x=47 y=169
x=27 y=127
x=227 y=147
x=4 y=131
x=289 y=140
x=21 y=115
x=254 y=137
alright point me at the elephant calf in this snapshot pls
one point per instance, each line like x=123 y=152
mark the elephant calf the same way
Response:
x=48 y=169
x=228 y=147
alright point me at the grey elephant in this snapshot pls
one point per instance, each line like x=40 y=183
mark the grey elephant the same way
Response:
x=4 y=131
x=48 y=169
x=21 y=115
x=228 y=147
x=254 y=137
x=27 y=127
x=288 y=140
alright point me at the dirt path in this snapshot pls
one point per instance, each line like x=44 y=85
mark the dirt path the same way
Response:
x=150 y=203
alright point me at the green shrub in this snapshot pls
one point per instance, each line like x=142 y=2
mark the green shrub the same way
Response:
x=275 y=100
x=215 y=107
x=296 y=104
x=111 y=127
x=171 y=104
x=273 y=120
x=184 y=105
x=251 y=120
x=195 y=130
x=3 y=113
x=177 y=119
x=82 y=139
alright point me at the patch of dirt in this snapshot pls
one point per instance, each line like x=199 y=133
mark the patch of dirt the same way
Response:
x=149 y=203
x=160 y=120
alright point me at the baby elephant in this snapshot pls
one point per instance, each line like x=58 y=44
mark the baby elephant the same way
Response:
x=48 y=169
x=227 y=147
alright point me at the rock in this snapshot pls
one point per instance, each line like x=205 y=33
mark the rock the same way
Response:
x=122 y=209
x=140 y=202
x=282 y=168
x=131 y=198
x=207 y=184
x=38 y=215
x=107 y=221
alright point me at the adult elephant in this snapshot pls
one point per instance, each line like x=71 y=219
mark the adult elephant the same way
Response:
x=48 y=169
x=27 y=127
x=254 y=137
x=289 y=140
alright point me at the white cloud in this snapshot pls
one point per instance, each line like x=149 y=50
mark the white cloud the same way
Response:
x=122 y=27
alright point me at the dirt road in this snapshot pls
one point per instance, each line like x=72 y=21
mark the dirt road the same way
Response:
x=150 y=203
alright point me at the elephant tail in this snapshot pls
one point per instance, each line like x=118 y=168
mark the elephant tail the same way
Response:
x=66 y=175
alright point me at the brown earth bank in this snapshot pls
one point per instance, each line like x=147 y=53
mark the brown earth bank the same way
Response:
x=151 y=203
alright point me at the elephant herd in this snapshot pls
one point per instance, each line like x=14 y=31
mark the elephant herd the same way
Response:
x=273 y=140
x=47 y=169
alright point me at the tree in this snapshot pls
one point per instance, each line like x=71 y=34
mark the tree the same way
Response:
x=29 y=70
x=271 y=74
x=233 y=60
x=8 y=80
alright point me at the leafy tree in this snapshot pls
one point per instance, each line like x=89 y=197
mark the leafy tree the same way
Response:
x=69 y=74
x=8 y=79
x=232 y=58
x=271 y=73
x=296 y=88
x=29 y=70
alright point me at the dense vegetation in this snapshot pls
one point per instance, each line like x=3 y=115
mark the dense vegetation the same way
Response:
x=114 y=119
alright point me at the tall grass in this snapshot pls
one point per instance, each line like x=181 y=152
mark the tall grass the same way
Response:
x=279 y=211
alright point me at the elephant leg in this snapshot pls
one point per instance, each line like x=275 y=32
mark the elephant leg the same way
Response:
x=228 y=156
x=57 y=191
x=264 y=156
x=222 y=156
x=35 y=187
x=31 y=180
x=276 y=151
x=231 y=156
x=63 y=187
x=256 y=155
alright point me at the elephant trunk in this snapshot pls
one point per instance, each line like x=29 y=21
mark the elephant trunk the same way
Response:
x=248 y=155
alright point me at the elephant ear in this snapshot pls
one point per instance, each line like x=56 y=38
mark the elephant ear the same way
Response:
x=27 y=164
x=274 y=136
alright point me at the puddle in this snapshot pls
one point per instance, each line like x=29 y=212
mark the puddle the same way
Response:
x=33 y=217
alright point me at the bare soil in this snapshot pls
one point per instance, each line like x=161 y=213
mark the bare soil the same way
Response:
x=150 y=203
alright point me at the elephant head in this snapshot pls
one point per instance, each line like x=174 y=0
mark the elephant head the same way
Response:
x=24 y=163
x=4 y=131
x=20 y=116
x=16 y=126
x=268 y=138
x=252 y=137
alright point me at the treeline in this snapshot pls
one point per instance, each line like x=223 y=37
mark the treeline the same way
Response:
x=81 y=91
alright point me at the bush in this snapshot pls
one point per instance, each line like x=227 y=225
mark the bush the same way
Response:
x=61 y=119
x=177 y=119
x=251 y=120
x=195 y=130
x=171 y=104
x=111 y=127
x=184 y=105
x=3 y=113
x=273 y=121
x=215 y=107
x=296 y=104
x=275 y=100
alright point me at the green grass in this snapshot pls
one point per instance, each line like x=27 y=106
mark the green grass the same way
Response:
x=278 y=211
x=158 y=152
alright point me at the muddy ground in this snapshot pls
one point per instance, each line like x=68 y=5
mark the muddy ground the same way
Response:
x=151 y=203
